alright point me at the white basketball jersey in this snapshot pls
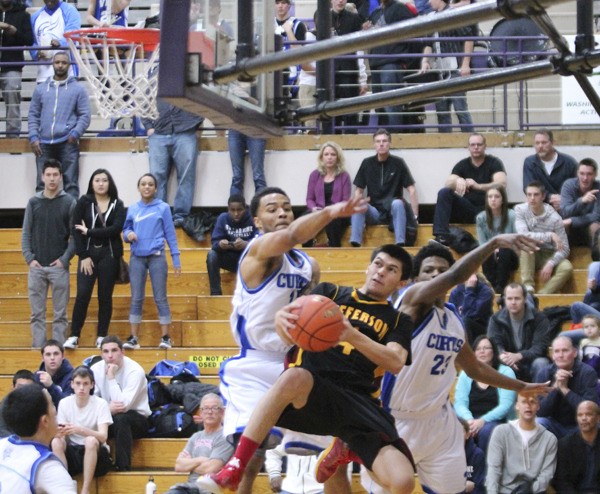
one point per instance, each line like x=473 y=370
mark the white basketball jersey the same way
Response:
x=252 y=319
x=424 y=385
x=19 y=461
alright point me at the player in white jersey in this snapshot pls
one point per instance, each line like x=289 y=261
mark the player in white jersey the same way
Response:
x=271 y=274
x=27 y=465
x=418 y=397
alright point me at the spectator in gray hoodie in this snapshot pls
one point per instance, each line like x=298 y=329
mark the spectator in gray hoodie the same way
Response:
x=59 y=114
x=521 y=453
x=47 y=250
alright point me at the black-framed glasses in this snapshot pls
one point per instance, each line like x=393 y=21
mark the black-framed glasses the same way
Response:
x=211 y=409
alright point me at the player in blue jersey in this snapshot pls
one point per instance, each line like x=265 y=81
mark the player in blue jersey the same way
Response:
x=418 y=397
x=102 y=13
x=271 y=274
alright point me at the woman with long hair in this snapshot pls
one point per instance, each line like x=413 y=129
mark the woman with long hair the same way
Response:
x=147 y=226
x=97 y=224
x=482 y=405
x=328 y=184
x=496 y=219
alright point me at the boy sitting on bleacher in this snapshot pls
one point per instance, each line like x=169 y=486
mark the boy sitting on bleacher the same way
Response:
x=83 y=421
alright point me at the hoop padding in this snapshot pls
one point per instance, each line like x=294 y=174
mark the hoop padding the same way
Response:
x=121 y=67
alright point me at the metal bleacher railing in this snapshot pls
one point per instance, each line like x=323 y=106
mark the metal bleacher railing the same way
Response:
x=515 y=106
x=492 y=109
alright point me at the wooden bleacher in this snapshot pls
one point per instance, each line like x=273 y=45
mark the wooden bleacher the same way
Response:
x=200 y=330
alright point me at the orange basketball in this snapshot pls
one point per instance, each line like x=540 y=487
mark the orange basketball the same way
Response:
x=319 y=325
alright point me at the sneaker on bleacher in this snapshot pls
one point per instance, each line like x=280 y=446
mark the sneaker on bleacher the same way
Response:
x=72 y=342
x=132 y=343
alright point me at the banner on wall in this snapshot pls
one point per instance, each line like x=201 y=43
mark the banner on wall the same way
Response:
x=576 y=108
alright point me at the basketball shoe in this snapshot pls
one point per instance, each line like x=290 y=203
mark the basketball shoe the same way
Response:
x=336 y=454
x=226 y=479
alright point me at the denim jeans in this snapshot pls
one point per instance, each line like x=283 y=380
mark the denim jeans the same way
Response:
x=68 y=155
x=483 y=436
x=384 y=78
x=373 y=217
x=138 y=273
x=38 y=282
x=181 y=150
x=459 y=101
x=10 y=83
x=238 y=144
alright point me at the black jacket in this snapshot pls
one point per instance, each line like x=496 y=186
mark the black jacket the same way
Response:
x=572 y=462
x=84 y=210
x=345 y=23
x=392 y=13
x=536 y=334
x=562 y=408
x=17 y=16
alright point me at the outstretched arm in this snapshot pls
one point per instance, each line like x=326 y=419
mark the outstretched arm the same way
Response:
x=426 y=293
x=279 y=242
x=487 y=374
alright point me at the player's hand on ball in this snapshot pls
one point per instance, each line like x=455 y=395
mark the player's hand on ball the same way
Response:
x=284 y=321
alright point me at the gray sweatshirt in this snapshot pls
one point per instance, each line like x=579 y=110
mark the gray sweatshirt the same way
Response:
x=540 y=228
x=47 y=229
x=509 y=462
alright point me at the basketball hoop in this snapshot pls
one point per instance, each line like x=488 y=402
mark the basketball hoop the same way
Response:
x=121 y=66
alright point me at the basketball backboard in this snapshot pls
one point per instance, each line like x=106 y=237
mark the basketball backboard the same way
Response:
x=208 y=38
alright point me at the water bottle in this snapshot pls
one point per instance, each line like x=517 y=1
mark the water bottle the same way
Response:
x=151 y=486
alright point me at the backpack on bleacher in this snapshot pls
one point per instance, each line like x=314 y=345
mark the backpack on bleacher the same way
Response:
x=171 y=421
x=173 y=367
x=158 y=393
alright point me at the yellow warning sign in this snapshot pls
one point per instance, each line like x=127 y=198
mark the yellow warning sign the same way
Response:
x=208 y=361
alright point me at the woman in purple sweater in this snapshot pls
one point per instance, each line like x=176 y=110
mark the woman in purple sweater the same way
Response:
x=328 y=184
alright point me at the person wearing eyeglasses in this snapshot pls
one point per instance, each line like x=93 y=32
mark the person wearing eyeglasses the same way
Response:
x=463 y=195
x=207 y=450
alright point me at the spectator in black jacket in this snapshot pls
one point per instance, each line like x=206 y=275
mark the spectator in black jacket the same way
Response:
x=549 y=167
x=97 y=225
x=15 y=30
x=391 y=63
x=578 y=458
x=451 y=67
x=346 y=69
x=572 y=382
x=521 y=333
x=55 y=372
x=474 y=299
x=233 y=230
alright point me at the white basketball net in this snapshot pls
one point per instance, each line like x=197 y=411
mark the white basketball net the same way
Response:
x=122 y=87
